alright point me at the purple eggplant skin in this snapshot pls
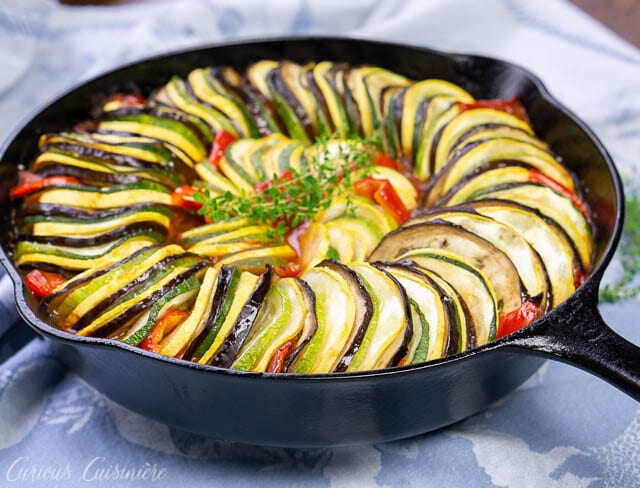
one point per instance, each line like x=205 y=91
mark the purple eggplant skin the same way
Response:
x=49 y=303
x=408 y=331
x=83 y=150
x=57 y=210
x=86 y=176
x=322 y=103
x=278 y=84
x=232 y=344
x=110 y=236
x=222 y=286
x=95 y=312
x=366 y=309
x=310 y=298
x=133 y=312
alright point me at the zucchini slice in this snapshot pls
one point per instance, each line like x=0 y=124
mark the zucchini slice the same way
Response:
x=174 y=132
x=473 y=185
x=530 y=267
x=101 y=198
x=415 y=101
x=429 y=311
x=366 y=235
x=484 y=153
x=439 y=111
x=202 y=232
x=327 y=94
x=133 y=304
x=180 y=95
x=175 y=343
x=546 y=237
x=281 y=319
x=555 y=206
x=470 y=283
x=467 y=121
x=29 y=254
x=179 y=298
x=390 y=329
x=210 y=87
x=258 y=258
x=478 y=252
x=360 y=208
x=92 y=170
x=231 y=323
x=336 y=315
x=364 y=312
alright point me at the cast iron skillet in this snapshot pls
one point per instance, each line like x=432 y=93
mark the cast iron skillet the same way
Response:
x=347 y=408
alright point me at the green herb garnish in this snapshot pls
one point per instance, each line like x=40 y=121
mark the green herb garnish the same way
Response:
x=629 y=255
x=293 y=197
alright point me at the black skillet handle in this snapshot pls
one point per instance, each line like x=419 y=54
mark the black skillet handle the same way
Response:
x=578 y=335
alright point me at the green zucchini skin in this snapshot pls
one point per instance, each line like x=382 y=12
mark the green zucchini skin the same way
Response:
x=131 y=286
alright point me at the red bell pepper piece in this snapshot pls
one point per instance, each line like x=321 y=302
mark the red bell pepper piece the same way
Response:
x=513 y=107
x=33 y=184
x=388 y=161
x=517 y=319
x=276 y=365
x=182 y=197
x=266 y=184
x=382 y=192
x=128 y=100
x=578 y=277
x=42 y=283
x=538 y=177
x=167 y=321
x=220 y=144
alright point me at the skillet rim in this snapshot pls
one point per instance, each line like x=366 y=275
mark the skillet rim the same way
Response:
x=584 y=293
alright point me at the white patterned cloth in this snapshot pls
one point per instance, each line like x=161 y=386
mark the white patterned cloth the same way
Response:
x=562 y=428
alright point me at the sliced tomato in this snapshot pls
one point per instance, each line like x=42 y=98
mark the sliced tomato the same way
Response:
x=165 y=323
x=289 y=270
x=32 y=185
x=220 y=144
x=512 y=106
x=381 y=191
x=538 y=177
x=388 y=162
x=182 y=197
x=42 y=283
x=276 y=365
x=517 y=319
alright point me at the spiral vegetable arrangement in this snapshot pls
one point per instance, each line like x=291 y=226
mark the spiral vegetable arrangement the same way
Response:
x=300 y=218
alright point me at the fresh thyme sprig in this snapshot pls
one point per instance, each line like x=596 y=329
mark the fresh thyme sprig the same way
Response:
x=629 y=254
x=293 y=197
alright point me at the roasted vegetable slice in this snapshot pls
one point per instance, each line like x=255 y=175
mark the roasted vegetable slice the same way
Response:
x=430 y=313
x=387 y=337
x=530 y=268
x=480 y=253
x=471 y=284
x=287 y=308
x=546 y=237
x=336 y=316
x=555 y=206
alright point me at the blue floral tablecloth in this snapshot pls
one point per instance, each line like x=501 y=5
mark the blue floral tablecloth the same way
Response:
x=562 y=428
